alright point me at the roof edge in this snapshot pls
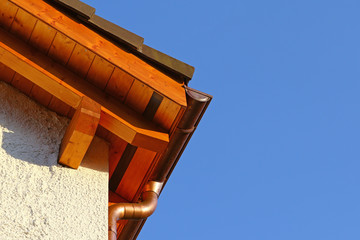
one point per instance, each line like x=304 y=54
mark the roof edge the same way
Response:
x=124 y=38
x=78 y=7
x=167 y=61
x=116 y=32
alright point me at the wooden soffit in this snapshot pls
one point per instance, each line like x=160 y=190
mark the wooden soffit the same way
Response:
x=68 y=87
x=58 y=61
x=105 y=49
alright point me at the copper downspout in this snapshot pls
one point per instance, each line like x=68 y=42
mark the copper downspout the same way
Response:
x=134 y=210
x=197 y=105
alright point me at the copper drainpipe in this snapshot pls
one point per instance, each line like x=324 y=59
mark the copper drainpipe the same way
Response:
x=139 y=210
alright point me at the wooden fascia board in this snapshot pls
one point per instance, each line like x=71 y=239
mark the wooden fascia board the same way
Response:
x=86 y=37
x=68 y=87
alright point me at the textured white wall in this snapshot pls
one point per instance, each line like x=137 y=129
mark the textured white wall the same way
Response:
x=40 y=199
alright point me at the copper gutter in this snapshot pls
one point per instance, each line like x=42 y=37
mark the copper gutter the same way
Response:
x=197 y=104
x=139 y=210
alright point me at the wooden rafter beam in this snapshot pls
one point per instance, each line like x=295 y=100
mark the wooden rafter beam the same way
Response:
x=80 y=133
x=68 y=87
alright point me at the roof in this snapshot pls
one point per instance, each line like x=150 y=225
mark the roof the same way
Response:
x=109 y=83
x=135 y=43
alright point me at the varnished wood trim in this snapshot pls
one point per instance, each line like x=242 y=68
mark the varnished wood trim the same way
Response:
x=91 y=40
x=121 y=167
x=69 y=88
x=79 y=133
x=153 y=106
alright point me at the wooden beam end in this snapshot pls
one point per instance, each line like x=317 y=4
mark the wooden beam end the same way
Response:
x=80 y=133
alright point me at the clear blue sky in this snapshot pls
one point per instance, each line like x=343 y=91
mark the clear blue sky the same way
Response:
x=276 y=156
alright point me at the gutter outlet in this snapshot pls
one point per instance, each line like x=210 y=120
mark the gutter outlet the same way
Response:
x=138 y=210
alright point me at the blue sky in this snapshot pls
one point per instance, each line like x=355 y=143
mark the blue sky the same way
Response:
x=276 y=156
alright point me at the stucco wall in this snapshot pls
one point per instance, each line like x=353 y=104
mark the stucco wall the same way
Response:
x=40 y=199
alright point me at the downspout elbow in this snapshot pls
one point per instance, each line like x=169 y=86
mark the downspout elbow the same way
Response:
x=139 y=210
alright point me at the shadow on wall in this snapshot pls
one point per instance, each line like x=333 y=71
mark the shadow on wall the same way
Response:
x=30 y=146
x=32 y=149
x=29 y=132
x=32 y=133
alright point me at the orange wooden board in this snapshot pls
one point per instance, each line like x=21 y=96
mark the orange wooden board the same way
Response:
x=66 y=86
x=100 y=72
x=139 y=96
x=40 y=95
x=120 y=225
x=119 y=84
x=23 y=24
x=106 y=49
x=117 y=148
x=23 y=84
x=97 y=156
x=6 y=74
x=61 y=48
x=7 y=13
x=32 y=71
x=79 y=133
x=80 y=60
x=102 y=133
x=59 y=106
x=167 y=113
x=115 y=198
x=135 y=173
x=42 y=36
x=71 y=112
